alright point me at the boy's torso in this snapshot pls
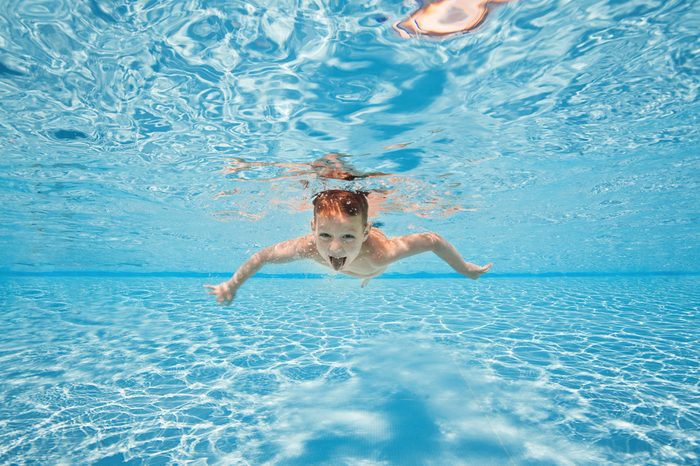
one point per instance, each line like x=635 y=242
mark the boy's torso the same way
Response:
x=369 y=263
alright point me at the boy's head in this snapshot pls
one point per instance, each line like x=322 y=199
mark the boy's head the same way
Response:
x=340 y=202
x=340 y=225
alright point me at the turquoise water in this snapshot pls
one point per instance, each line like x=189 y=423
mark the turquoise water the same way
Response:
x=150 y=147
x=299 y=371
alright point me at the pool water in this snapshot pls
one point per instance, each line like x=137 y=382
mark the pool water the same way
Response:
x=501 y=371
x=148 y=148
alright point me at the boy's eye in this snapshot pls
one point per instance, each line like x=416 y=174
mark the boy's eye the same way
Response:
x=324 y=235
x=348 y=237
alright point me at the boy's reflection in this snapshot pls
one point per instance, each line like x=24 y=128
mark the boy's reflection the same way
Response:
x=330 y=166
x=335 y=166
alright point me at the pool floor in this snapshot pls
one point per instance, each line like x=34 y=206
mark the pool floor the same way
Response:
x=438 y=371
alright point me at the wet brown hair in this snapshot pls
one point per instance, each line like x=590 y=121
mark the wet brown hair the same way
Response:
x=335 y=201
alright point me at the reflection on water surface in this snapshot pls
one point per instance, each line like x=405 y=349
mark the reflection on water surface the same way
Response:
x=445 y=17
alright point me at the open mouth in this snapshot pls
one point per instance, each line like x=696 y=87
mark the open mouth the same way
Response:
x=337 y=262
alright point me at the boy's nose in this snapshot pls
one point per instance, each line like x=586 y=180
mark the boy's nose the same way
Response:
x=335 y=247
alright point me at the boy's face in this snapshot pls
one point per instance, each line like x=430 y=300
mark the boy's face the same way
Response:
x=339 y=238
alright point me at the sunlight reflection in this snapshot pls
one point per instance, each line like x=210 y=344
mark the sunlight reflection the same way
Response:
x=410 y=401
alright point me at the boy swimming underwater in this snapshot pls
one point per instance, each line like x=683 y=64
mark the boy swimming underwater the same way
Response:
x=343 y=240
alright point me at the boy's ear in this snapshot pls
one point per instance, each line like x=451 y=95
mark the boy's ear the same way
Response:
x=313 y=224
x=367 y=228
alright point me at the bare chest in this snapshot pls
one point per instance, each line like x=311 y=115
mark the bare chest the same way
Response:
x=361 y=267
x=364 y=267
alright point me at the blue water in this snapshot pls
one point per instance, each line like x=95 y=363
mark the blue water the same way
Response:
x=299 y=371
x=150 y=147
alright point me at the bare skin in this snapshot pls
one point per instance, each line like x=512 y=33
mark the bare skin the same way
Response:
x=349 y=246
x=444 y=17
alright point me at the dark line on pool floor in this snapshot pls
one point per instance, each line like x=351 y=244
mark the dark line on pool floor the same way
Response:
x=316 y=276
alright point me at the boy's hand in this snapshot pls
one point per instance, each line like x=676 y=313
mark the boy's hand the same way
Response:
x=224 y=292
x=478 y=271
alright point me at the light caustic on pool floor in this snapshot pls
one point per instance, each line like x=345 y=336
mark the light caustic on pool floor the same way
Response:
x=558 y=371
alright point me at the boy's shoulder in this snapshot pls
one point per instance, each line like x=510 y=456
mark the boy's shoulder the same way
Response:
x=305 y=245
x=378 y=244
x=376 y=234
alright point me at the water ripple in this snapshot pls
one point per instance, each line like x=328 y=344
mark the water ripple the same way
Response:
x=154 y=99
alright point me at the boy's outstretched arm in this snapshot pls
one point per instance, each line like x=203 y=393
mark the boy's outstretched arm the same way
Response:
x=287 y=251
x=410 y=245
